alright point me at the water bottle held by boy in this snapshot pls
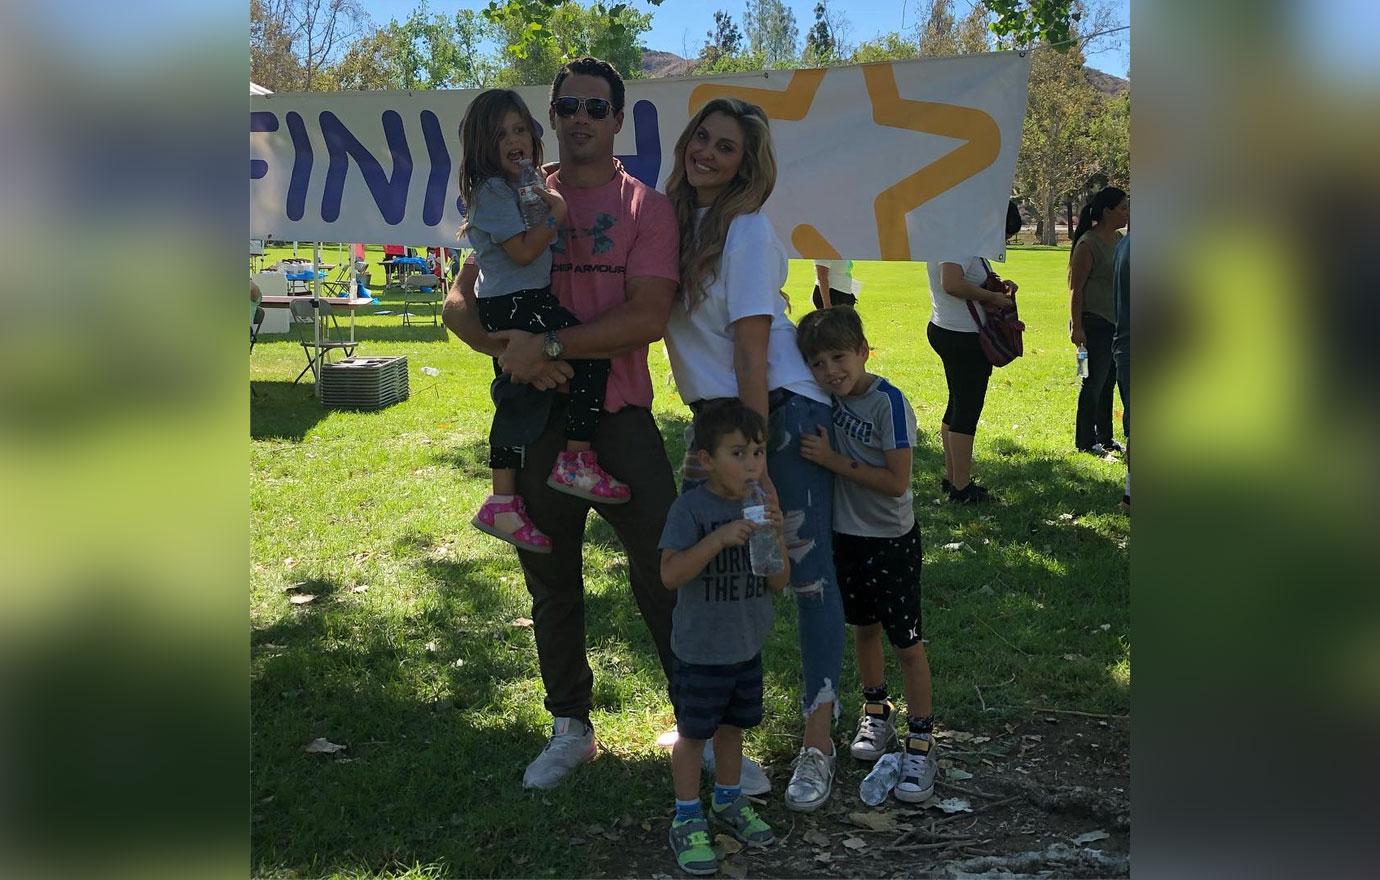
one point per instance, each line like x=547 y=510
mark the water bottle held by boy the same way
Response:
x=1082 y=362
x=763 y=548
x=531 y=205
x=881 y=780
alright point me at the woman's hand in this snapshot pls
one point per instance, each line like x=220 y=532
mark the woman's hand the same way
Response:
x=1011 y=286
x=816 y=448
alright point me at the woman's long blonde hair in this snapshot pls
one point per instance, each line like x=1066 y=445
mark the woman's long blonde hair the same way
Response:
x=479 y=142
x=702 y=244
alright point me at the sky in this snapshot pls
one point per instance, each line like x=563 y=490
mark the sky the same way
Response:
x=680 y=26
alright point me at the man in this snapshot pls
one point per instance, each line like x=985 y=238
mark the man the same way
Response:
x=616 y=266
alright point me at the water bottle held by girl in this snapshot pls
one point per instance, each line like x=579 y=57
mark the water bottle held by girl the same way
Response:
x=533 y=207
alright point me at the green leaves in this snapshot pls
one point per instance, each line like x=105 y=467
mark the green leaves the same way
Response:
x=1026 y=22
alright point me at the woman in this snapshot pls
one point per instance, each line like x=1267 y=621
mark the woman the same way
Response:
x=1092 y=320
x=834 y=284
x=953 y=334
x=728 y=336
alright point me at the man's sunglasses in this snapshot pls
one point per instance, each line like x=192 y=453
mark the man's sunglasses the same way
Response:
x=568 y=106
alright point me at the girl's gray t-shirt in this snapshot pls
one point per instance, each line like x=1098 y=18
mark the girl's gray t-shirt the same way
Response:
x=494 y=218
x=725 y=615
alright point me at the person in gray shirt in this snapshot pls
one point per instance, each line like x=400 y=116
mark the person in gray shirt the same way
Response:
x=876 y=539
x=722 y=617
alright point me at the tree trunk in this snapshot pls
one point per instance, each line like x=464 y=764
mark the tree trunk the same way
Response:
x=1051 y=235
x=1068 y=211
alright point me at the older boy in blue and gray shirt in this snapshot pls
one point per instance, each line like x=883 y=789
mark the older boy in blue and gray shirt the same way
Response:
x=876 y=538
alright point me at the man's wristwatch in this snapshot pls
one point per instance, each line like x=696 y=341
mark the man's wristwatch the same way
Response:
x=552 y=347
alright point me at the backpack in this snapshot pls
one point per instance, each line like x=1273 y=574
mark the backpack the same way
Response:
x=1000 y=336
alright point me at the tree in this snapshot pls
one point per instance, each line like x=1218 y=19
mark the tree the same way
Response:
x=725 y=40
x=1057 y=152
x=888 y=47
x=772 y=32
x=271 y=61
x=1024 y=23
x=571 y=31
x=424 y=52
x=819 y=42
x=1111 y=140
x=291 y=41
x=941 y=34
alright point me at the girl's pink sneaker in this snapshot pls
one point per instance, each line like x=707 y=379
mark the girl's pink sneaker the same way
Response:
x=525 y=537
x=579 y=474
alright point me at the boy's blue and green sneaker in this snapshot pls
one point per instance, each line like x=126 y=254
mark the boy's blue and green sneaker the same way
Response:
x=690 y=843
x=742 y=822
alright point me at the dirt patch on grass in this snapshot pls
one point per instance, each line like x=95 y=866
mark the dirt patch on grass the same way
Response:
x=1042 y=793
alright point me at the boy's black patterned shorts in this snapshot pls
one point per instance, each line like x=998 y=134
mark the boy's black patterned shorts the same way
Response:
x=879 y=579
x=706 y=696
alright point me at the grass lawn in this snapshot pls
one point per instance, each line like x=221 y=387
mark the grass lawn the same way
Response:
x=410 y=655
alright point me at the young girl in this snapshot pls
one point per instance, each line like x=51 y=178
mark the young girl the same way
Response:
x=514 y=293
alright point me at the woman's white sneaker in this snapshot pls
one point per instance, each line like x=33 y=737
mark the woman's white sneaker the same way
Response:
x=811 y=781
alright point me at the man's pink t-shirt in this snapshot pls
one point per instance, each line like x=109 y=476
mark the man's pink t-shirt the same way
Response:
x=623 y=229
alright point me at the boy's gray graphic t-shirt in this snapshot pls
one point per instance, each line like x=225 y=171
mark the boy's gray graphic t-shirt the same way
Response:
x=725 y=615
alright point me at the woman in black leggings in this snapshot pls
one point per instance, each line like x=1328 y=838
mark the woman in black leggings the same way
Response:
x=953 y=334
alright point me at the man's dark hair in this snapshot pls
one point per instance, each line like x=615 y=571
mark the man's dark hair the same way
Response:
x=588 y=66
x=836 y=329
x=721 y=418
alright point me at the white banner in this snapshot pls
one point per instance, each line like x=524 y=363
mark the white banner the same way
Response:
x=906 y=160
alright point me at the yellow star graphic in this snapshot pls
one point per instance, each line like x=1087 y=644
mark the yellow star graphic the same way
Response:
x=979 y=132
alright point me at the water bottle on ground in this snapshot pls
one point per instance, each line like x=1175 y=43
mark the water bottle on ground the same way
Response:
x=533 y=209
x=881 y=780
x=1082 y=362
x=763 y=548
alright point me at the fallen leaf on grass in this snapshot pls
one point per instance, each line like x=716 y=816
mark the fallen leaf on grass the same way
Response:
x=817 y=837
x=732 y=869
x=290 y=587
x=302 y=598
x=1066 y=517
x=1091 y=836
x=726 y=845
x=958 y=736
x=955 y=545
x=593 y=830
x=523 y=622
x=873 y=821
x=362 y=588
x=854 y=843
x=1071 y=657
x=323 y=746
x=951 y=805
x=431 y=646
x=1104 y=627
x=979 y=740
x=958 y=775
x=646 y=826
x=823 y=858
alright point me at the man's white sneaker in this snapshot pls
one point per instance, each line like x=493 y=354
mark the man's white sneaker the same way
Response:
x=571 y=744
x=875 y=732
x=917 y=769
x=752 y=780
x=811 y=781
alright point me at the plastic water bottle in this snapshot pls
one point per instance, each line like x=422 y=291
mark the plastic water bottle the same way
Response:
x=533 y=209
x=763 y=548
x=881 y=780
x=1082 y=362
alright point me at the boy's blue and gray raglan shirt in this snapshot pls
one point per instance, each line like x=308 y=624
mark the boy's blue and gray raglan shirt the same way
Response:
x=866 y=426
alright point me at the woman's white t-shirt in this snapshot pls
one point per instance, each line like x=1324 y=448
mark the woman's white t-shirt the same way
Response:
x=951 y=312
x=751 y=274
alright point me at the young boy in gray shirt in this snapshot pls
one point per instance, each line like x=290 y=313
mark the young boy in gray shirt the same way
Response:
x=722 y=617
x=876 y=539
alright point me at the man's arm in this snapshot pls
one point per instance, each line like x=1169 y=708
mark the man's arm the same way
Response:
x=461 y=316
x=640 y=320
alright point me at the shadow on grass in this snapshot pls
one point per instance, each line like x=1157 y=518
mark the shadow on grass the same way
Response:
x=283 y=411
